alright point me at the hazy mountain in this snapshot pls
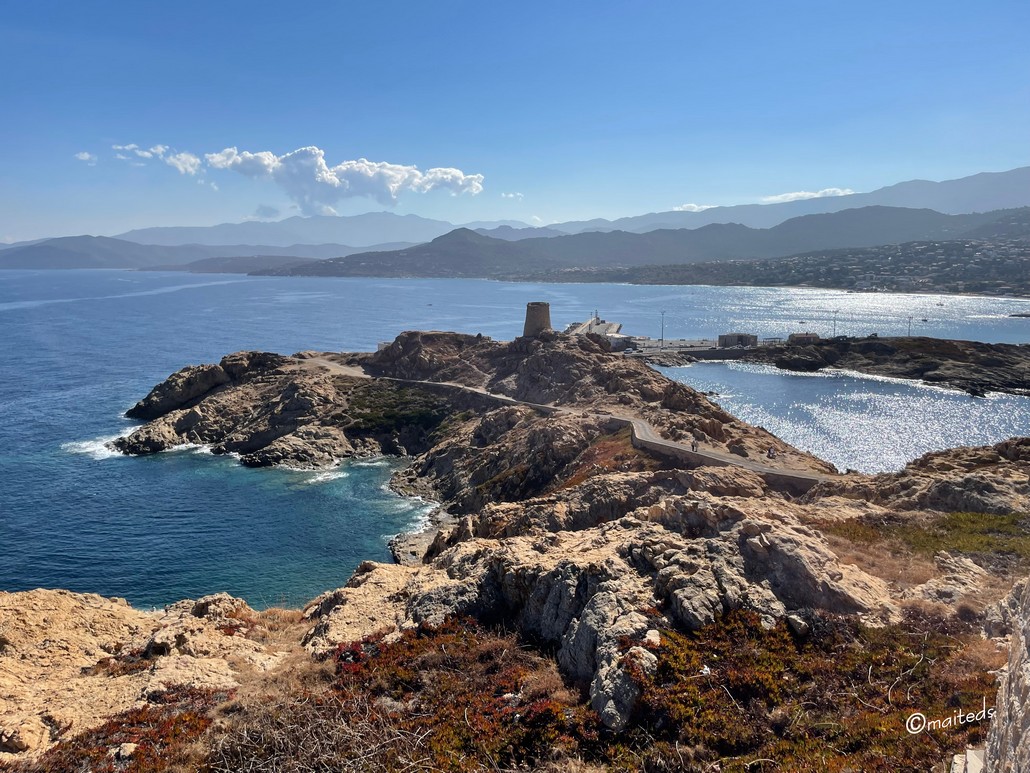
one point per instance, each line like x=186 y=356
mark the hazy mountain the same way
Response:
x=250 y=264
x=370 y=229
x=983 y=192
x=467 y=253
x=511 y=234
x=107 y=252
x=459 y=253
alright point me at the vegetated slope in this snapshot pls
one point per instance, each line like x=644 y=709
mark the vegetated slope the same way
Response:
x=465 y=253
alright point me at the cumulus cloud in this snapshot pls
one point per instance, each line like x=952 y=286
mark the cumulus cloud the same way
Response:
x=315 y=186
x=156 y=150
x=692 y=207
x=779 y=198
x=185 y=163
x=516 y=196
x=89 y=158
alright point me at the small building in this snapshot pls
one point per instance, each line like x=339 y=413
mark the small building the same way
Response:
x=801 y=339
x=734 y=340
x=595 y=325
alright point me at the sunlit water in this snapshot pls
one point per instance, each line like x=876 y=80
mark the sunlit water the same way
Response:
x=858 y=422
x=78 y=348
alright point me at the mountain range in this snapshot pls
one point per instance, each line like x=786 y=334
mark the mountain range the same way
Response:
x=913 y=210
x=107 y=252
x=367 y=230
x=466 y=253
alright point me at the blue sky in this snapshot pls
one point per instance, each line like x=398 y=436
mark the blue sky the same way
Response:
x=597 y=109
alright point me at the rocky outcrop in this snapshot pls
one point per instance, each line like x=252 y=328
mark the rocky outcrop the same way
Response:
x=985 y=479
x=559 y=525
x=68 y=661
x=1008 y=743
x=974 y=367
x=283 y=410
x=588 y=592
x=180 y=389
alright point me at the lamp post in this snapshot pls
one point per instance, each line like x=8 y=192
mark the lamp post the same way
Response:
x=910 y=327
x=661 y=345
x=835 y=313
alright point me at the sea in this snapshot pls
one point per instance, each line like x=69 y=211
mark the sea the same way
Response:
x=77 y=348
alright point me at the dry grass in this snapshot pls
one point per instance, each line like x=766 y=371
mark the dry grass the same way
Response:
x=608 y=453
x=457 y=698
x=276 y=626
x=889 y=560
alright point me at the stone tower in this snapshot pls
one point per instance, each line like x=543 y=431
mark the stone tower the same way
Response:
x=538 y=318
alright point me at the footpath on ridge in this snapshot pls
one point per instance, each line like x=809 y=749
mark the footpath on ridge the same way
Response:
x=643 y=434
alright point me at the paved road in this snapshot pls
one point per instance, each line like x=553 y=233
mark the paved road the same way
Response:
x=644 y=434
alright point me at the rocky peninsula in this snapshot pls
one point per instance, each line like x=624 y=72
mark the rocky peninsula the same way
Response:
x=628 y=579
x=970 y=366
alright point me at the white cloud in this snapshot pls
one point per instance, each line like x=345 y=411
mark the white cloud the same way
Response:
x=779 y=198
x=158 y=150
x=536 y=219
x=132 y=147
x=89 y=158
x=306 y=177
x=692 y=207
x=517 y=196
x=185 y=163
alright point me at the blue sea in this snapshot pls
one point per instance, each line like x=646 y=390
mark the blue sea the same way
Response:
x=77 y=348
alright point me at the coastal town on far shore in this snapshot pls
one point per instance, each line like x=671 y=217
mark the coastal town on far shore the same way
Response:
x=988 y=267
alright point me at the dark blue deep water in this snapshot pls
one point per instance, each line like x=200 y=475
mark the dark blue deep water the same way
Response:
x=78 y=348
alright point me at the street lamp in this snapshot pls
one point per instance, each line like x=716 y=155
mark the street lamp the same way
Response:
x=835 y=313
x=910 y=327
x=661 y=345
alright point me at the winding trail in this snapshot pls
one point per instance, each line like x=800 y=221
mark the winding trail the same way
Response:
x=642 y=433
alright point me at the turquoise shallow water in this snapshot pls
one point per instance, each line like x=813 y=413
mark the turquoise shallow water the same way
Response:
x=78 y=348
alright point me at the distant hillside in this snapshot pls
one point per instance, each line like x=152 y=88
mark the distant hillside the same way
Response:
x=85 y=252
x=983 y=192
x=995 y=267
x=460 y=253
x=105 y=252
x=247 y=264
x=466 y=253
x=367 y=230
x=510 y=234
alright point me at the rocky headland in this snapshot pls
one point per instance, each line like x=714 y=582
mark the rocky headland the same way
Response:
x=970 y=366
x=686 y=602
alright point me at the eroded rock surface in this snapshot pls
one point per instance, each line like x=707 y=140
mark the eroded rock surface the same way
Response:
x=587 y=591
x=71 y=660
x=985 y=479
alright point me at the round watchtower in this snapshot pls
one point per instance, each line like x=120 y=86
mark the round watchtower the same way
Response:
x=538 y=318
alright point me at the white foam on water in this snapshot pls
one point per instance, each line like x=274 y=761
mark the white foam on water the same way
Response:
x=326 y=477
x=197 y=448
x=97 y=448
x=377 y=462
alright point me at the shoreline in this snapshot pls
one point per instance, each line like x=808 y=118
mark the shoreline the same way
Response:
x=550 y=280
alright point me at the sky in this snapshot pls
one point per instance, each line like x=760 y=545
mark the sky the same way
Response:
x=117 y=115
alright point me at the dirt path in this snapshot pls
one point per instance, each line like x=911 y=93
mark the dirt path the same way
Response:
x=643 y=433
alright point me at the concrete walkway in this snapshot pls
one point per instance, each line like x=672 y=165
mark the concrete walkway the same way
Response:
x=642 y=433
